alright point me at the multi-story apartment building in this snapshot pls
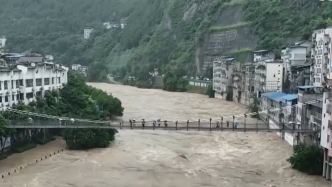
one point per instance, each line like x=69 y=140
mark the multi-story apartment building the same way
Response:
x=222 y=76
x=325 y=135
x=248 y=70
x=320 y=56
x=322 y=59
x=309 y=111
x=268 y=72
x=217 y=86
x=296 y=66
x=25 y=81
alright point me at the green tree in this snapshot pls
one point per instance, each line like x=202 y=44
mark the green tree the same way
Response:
x=210 y=92
x=329 y=22
x=81 y=139
x=307 y=158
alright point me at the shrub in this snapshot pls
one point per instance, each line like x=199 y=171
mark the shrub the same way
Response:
x=307 y=159
x=82 y=139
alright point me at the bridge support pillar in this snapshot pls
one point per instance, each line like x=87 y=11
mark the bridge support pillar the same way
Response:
x=324 y=163
x=283 y=135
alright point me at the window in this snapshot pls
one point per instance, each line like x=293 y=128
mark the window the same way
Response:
x=38 y=82
x=12 y=84
x=5 y=85
x=46 y=81
x=52 y=80
x=20 y=82
x=59 y=80
x=13 y=97
x=17 y=97
x=0 y=99
x=6 y=98
x=17 y=83
x=28 y=83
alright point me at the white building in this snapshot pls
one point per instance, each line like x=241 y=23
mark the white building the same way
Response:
x=268 y=72
x=325 y=136
x=75 y=67
x=293 y=55
x=26 y=82
x=49 y=58
x=3 y=42
x=321 y=56
x=81 y=69
x=87 y=33
x=222 y=76
x=217 y=86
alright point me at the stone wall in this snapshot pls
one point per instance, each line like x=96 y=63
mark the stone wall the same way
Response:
x=234 y=39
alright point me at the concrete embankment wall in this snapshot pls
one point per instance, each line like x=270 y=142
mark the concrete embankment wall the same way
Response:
x=288 y=137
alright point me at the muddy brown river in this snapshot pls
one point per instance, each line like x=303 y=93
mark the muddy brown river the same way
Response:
x=165 y=158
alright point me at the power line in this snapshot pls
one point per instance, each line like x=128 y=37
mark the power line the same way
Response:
x=22 y=112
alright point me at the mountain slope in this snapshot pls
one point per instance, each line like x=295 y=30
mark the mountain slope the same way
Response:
x=176 y=37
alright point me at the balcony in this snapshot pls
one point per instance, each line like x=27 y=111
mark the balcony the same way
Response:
x=330 y=124
x=261 y=66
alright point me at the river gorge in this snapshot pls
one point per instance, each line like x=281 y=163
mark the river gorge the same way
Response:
x=165 y=158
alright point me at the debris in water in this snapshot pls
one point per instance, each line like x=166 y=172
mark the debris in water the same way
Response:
x=183 y=156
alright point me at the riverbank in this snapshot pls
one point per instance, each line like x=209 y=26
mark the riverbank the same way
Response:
x=17 y=160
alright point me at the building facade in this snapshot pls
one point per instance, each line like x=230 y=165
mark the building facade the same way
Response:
x=249 y=82
x=325 y=136
x=320 y=56
x=268 y=72
x=80 y=69
x=296 y=62
x=25 y=83
x=223 y=77
x=322 y=45
x=87 y=33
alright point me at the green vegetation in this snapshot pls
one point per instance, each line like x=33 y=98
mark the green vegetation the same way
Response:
x=160 y=34
x=307 y=159
x=210 y=92
x=240 y=51
x=75 y=100
x=228 y=27
x=276 y=21
x=89 y=138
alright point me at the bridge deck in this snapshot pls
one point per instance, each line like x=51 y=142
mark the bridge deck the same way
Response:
x=206 y=127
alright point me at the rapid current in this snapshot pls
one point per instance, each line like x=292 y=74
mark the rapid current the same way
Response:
x=164 y=158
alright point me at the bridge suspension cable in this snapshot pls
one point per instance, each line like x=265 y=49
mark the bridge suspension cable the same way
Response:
x=34 y=114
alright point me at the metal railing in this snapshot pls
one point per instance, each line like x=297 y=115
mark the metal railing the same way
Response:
x=158 y=125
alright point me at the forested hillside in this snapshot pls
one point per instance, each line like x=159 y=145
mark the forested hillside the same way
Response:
x=163 y=34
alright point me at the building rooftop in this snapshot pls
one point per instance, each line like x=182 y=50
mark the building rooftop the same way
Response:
x=287 y=97
x=297 y=46
x=261 y=51
x=273 y=95
x=306 y=87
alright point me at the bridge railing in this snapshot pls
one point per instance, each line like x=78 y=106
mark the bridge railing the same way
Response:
x=153 y=125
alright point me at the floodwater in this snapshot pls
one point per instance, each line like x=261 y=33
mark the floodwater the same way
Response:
x=164 y=158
